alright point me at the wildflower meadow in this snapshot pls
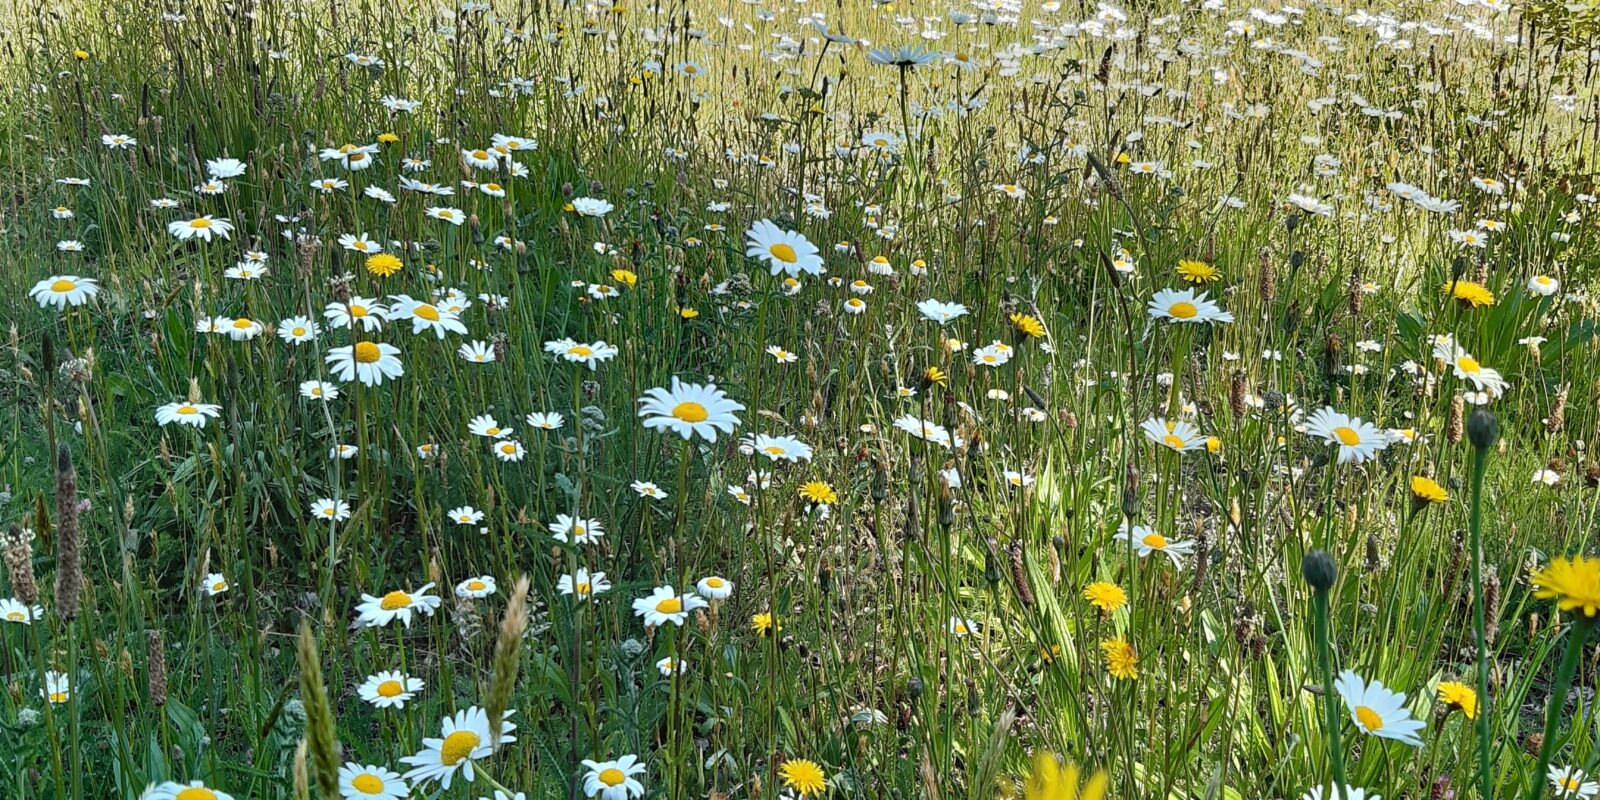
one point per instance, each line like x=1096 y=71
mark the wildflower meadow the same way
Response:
x=802 y=399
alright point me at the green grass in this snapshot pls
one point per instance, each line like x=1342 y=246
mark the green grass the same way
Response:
x=865 y=675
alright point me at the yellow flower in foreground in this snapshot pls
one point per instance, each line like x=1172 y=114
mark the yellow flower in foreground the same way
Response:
x=1574 y=583
x=383 y=264
x=388 y=138
x=626 y=277
x=936 y=377
x=820 y=493
x=1427 y=490
x=1198 y=272
x=1106 y=596
x=1459 y=696
x=1051 y=781
x=688 y=313
x=1470 y=293
x=803 y=776
x=1121 y=661
x=1027 y=325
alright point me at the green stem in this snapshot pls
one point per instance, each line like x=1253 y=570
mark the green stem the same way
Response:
x=1576 y=636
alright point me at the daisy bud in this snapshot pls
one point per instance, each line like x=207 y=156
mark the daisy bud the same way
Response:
x=1482 y=429
x=1319 y=570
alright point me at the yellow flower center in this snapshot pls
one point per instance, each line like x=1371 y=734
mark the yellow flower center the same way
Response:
x=671 y=605
x=427 y=312
x=1347 y=436
x=715 y=583
x=186 y=410
x=193 y=792
x=219 y=586
x=493 y=187
x=1183 y=310
x=367 y=352
x=201 y=223
x=395 y=600
x=1369 y=719
x=1569 y=784
x=691 y=412
x=1469 y=365
x=243 y=323
x=358 y=311
x=1174 y=442
x=367 y=783
x=1155 y=540
x=508 y=448
x=583 y=588
x=476 y=586
x=784 y=253
x=580 y=351
x=775 y=450
x=391 y=689
x=612 y=776
x=298 y=331
x=457 y=746
x=480 y=154
x=16 y=616
x=63 y=286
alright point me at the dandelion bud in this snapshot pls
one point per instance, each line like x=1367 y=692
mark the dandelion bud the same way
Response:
x=69 y=569
x=1455 y=425
x=914 y=687
x=1130 y=493
x=880 y=482
x=1482 y=429
x=1319 y=570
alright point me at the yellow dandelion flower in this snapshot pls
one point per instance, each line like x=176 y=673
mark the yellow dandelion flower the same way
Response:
x=688 y=313
x=383 y=264
x=1469 y=293
x=1121 y=660
x=803 y=776
x=626 y=277
x=1459 y=697
x=1198 y=272
x=388 y=138
x=1106 y=596
x=1574 y=583
x=935 y=376
x=820 y=493
x=1427 y=490
x=764 y=623
x=1027 y=325
x=1051 y=781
